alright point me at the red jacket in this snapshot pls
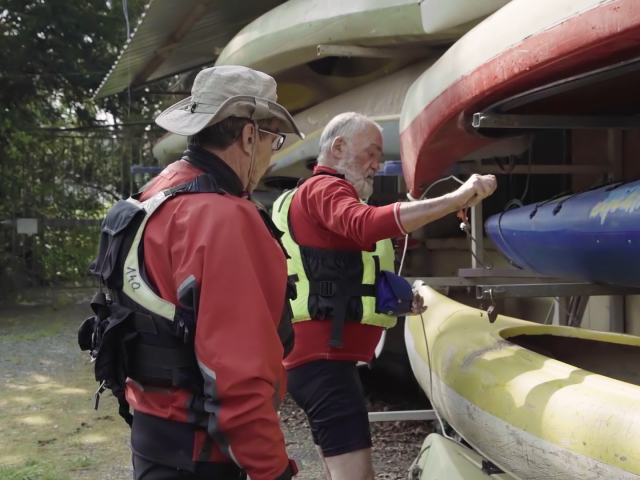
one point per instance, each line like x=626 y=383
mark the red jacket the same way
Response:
x=241 y=271
x=326 y=213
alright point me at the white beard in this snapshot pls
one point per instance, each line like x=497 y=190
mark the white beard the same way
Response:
x=362 y=184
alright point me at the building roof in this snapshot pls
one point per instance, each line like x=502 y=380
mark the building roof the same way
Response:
x=177 y=36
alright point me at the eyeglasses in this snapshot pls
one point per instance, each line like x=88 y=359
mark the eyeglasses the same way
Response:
x=278 y=141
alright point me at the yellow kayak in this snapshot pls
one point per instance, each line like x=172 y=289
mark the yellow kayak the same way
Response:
x=539 y=401
x=443 y=459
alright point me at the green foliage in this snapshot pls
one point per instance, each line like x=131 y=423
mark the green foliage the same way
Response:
x=70 y=177
x=54 y=55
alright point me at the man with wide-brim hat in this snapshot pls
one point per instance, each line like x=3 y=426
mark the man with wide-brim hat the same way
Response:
x=232 y=252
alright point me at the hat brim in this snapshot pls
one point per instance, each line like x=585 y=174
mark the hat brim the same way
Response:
x=179 y=119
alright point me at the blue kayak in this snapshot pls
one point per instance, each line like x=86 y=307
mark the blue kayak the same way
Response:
x=592 y=236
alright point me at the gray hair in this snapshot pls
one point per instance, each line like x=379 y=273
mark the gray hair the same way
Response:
x=343 y=125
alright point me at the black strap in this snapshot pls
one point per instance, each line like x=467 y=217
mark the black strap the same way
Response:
x=376 y=261
x=144 y=323
x=123 y=411
x=204 y=183
x=337 y=322
x=339 y=289
x=146 y=373
x=341 y=292
x=337 y=175
x=167 y=358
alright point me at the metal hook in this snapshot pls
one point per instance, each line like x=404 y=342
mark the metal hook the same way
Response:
x=492 y=311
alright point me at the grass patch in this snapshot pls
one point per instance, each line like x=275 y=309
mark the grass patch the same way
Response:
x=52 y=420
x=57 y=297
x=15 y=327
x=23 y=324
x=31 y=470
x=48 y=427
x=49 y=329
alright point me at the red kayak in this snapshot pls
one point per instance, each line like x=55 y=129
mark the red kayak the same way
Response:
x=527 y=60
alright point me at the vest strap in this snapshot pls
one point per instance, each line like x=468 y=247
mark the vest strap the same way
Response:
x=341 y=293
x=123 y=411
x=144 y=323
x=204 y=183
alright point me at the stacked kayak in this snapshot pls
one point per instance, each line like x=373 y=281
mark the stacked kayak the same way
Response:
x=285 y=41
x=538 y=401
x=593 y=236
x=525 y=45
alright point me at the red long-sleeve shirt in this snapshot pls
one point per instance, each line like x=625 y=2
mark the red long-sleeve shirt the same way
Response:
x=326 y=213
x=241 y=271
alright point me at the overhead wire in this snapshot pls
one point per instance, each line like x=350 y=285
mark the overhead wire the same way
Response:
x=406 y=238
x=125 y=9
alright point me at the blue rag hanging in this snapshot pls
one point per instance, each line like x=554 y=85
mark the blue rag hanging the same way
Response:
x=394 y=295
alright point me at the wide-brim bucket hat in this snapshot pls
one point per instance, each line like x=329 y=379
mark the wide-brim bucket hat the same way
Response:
x=227 y=91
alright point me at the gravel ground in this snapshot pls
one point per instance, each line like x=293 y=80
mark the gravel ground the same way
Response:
x=38 y=349
x=395 y=444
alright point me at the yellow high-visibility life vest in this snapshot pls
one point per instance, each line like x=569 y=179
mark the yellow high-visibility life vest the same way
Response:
x=333 y=284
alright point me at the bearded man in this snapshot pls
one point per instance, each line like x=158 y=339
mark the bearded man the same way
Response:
x=338 y=246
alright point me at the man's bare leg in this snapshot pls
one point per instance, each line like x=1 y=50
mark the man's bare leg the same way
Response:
x=356 y=465
x=325 y=467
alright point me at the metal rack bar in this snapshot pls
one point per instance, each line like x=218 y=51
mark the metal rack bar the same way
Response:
x=402 y=416
x=562 y=122
x=453 y=282
x=496 y=116
x=497 y=273
x=468 y=169
x=568 y=84
x=532 y=290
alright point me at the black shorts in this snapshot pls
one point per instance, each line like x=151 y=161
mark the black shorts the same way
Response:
x=330 y=393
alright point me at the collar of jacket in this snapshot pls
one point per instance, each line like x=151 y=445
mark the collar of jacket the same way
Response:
x=327 y=171
x=210 y=163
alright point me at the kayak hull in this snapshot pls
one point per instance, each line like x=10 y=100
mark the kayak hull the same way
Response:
x=531 y=414
x=593 y=236
x=284 y=42
x=524 y=45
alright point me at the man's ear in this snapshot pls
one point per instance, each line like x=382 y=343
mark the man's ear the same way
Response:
x=337 y=147
x=248 y=137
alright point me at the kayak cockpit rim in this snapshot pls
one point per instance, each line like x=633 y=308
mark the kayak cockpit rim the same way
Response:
x=611 y=355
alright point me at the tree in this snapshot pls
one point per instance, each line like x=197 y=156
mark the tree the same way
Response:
x=54 y=54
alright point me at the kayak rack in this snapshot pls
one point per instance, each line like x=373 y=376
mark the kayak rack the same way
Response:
x=500 y=285
x=532 y=290
x=496 y=121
